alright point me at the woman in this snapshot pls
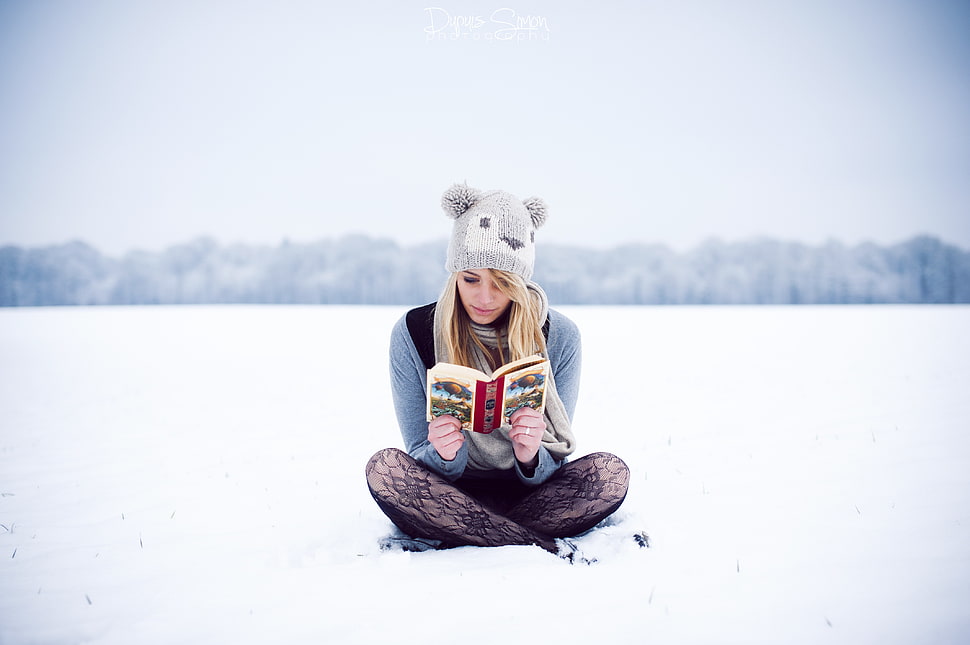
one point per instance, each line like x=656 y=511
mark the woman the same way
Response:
x=514 y=485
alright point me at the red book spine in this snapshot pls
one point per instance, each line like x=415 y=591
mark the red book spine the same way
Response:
x=488 y=407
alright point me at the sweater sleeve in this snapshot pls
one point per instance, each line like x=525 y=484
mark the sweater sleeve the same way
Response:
x=565 y=349
x=408 y=382
x=545 y=469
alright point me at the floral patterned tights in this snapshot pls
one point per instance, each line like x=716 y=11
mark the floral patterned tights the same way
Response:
x=425 y=505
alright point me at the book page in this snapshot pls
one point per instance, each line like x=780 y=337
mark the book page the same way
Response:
x=514 y=366
x=451 y=395
x=526 y=387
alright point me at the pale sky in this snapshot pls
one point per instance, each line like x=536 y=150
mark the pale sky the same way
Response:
x=139 y=124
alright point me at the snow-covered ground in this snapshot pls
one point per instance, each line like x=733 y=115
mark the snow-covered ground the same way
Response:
x=195 y=475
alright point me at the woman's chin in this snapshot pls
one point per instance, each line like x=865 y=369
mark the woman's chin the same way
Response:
x=483 y=317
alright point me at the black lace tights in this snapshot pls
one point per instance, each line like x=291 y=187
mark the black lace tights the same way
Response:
x=425 y=505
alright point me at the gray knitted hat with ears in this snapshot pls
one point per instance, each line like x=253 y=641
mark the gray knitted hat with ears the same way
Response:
x=493 y=230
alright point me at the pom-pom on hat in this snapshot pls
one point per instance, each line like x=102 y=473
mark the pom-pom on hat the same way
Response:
x=493 y=230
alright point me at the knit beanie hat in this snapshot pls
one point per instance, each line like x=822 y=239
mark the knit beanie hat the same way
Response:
x=493 y=230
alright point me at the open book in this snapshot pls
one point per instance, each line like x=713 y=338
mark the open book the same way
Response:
x=483 y=402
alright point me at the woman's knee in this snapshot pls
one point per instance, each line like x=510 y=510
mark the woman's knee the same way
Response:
x=611 y=467
x=383 y=458
x=380 y=466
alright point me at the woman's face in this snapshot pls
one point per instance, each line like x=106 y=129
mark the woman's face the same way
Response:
x=480 y=296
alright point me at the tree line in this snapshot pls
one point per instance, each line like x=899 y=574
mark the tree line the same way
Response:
x=364 y=270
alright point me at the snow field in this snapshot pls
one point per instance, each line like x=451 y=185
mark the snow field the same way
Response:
x=195 y=474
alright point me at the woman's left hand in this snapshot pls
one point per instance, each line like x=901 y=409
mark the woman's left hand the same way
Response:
x=528 y=427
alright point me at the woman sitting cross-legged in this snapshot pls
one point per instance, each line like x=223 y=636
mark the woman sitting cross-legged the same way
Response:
x=452 y=487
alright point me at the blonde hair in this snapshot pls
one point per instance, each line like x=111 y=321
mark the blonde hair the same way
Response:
x=524 y=330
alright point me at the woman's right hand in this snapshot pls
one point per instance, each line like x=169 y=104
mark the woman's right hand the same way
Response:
x=444 y=433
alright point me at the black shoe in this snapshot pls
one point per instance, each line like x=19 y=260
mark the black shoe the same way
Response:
x=571 y=553
x=409 y=544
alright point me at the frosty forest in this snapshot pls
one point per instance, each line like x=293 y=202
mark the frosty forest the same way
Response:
x=362 y=270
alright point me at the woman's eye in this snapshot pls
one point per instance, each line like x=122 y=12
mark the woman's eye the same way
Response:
x=470 y=280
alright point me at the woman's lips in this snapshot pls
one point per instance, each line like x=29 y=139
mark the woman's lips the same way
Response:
x=484 y=313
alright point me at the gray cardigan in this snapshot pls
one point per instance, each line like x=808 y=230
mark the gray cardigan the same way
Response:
x=408 y=383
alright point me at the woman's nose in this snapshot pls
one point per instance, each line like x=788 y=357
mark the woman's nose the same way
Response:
x=488 y=293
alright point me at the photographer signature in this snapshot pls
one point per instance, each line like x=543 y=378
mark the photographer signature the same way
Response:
x=501 y=24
